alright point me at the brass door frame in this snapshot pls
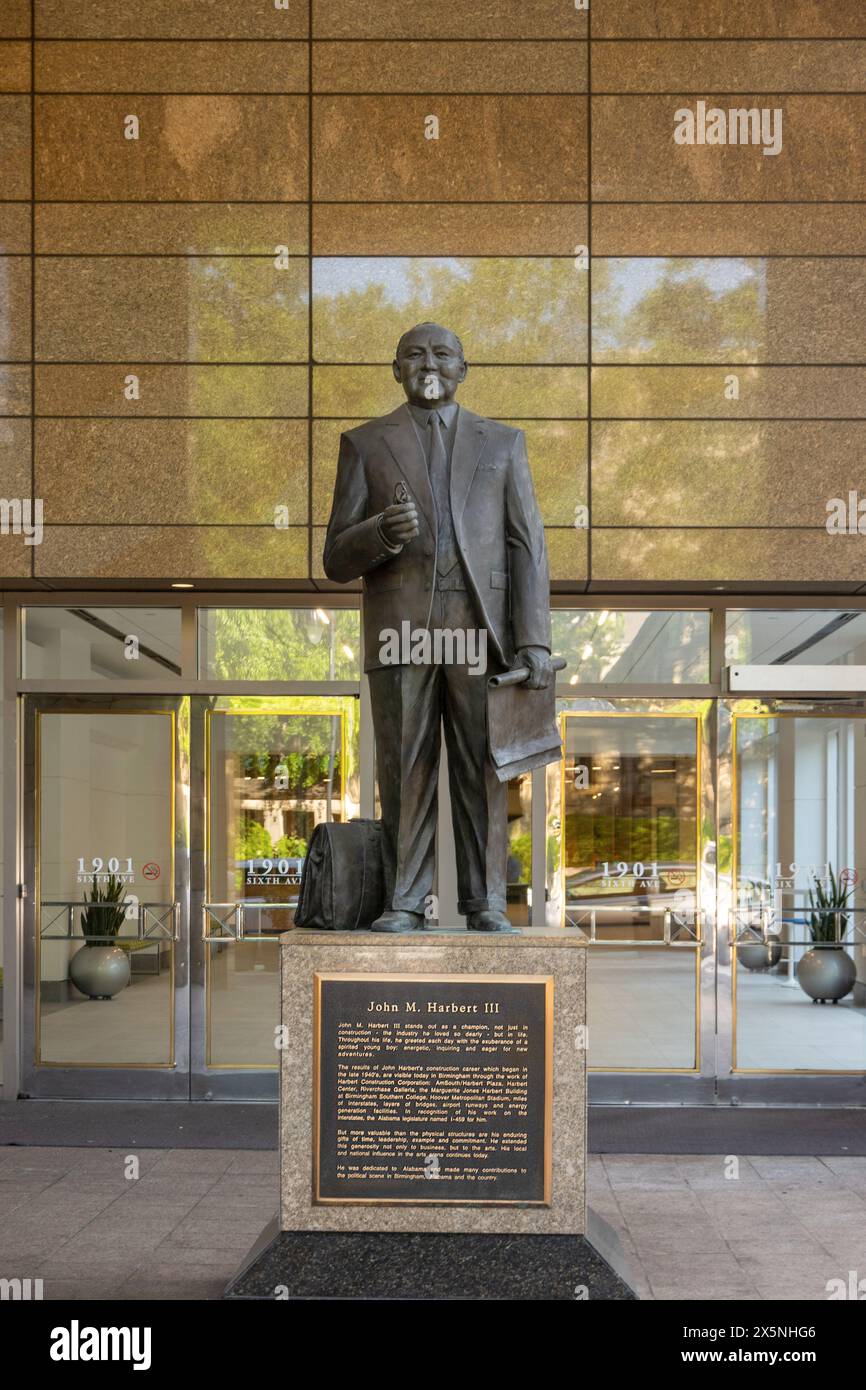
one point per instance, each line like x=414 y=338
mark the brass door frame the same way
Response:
x=800 y=1084
x=229 y=1081
x=653 y=1083
x=101 y=1081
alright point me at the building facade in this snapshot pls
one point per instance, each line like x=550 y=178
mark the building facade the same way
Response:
x=645 y=222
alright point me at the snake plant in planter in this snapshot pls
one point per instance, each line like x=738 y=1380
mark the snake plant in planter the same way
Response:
x=827 y=971
x=100 y=969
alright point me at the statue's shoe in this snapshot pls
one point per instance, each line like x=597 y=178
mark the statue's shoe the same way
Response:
x=489 y=921
x=395 y=921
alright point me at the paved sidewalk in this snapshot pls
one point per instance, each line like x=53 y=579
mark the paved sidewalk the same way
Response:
x=780 y=1230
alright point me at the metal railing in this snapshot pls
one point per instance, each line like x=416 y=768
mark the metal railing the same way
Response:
x=678 y=929
x=227 y=922
x=154 y=922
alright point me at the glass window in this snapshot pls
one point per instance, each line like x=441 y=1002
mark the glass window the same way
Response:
x=796 y=637
x=273 y=644
x=628 y=647
x=92 y=643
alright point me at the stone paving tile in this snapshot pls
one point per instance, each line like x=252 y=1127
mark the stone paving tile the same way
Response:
x=255 y=1162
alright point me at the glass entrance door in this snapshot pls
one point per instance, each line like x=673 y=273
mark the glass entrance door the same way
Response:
x=105 y=872
x=636 y=877
x=796 y=908
x=266 y=772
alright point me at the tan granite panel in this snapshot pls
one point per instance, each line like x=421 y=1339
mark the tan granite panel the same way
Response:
x=188 y=391
x=728 y=229
x=567 y=553
x=730 y=473
x=206 y=229
x=14 y=64
x=202 y=148
x=173 y=472
x=449 y=67
x=561 y=957
x=531 y=147
x=442 y=229
x=776 y=311
x=707 y=555
x=777 y=66
x=485 y=19
x=15 y=308
x=14 y=228
x=172 y=553
x=110 y=309
x=499 y=392
x=764 y=392
x=771 y=19
x=634 y=155
x=14 y=147
x=16 y=557
x=14 y=389
x=15 y=461
x=15 y=20
x=170 y=19
x=504 y=310
x=557 y=457
x=171 y=67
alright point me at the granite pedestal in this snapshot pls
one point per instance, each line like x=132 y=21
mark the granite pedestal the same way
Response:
x=509 y=1224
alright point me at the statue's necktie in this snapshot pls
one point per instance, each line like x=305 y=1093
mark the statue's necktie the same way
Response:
x=446 y=547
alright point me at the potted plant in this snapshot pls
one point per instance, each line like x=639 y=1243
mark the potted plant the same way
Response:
x=827 y=971
x=100 y=969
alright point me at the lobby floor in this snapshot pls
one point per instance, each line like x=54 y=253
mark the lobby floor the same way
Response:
x=779 y=1229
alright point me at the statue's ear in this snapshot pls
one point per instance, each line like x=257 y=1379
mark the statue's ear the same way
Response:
x=395 y=368
x=465 y=371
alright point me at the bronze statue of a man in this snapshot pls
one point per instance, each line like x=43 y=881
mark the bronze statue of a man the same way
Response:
x=434 y=506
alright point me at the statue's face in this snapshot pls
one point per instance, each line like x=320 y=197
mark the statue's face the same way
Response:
x=430 y=366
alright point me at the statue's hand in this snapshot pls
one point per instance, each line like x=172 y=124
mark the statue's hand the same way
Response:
x=540 y=668
x=399 y=523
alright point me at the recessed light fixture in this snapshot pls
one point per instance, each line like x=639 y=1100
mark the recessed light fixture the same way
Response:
x=178 y=585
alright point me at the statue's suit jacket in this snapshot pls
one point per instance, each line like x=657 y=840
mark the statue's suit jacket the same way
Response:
x=496 y=521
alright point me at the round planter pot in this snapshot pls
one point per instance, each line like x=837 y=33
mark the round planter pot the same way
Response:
x=99 y=971
x=826 y=972
x=760 y=955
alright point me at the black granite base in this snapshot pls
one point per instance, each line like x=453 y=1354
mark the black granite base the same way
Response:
x=373 y=1265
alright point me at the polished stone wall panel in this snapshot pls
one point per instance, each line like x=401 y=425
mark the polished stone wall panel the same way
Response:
x=176 y=310
x=203 y=148
x=174 y=472
x=484 y=19
x=762 y=392
x=634 y=156
x=206 y=229
x=798 y=559
x=170 y=67
x=449 y=67
x=14 y=147
x=14 y=65
x=448 y=229
x=734 y=19
x=828 y=66
x=170 y=19
x=185 y=391
x=163 y=553
x=371 y=148
x=732 y=229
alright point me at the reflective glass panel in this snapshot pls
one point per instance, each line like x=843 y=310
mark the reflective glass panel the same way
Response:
x=104 y=855
x=93 y=643
x=630 y=646
x=798 y=637
x=799 y=911
x=271 y=644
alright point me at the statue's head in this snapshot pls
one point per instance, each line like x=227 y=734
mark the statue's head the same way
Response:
x=430 y=364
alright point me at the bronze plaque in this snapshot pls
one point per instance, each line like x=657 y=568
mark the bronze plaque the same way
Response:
x=433 y=1088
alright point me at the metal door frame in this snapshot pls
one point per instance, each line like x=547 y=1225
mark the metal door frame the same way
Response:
x=104 y=1081
x=770 y=1087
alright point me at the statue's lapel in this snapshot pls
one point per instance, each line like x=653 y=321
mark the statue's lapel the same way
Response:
x=403 y=442
x=469 y=442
